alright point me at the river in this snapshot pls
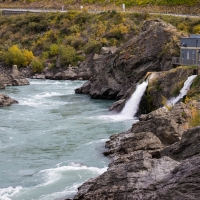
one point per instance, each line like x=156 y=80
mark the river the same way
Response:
x=52 y=141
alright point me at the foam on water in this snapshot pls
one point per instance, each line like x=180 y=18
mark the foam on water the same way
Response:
x=8 y=193
x=63 y=194
x=47 y=94
x=53 y=174
x=46 y=82
x=98 y=141
x=116 y=117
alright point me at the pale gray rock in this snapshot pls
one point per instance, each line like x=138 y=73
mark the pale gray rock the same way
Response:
x=39 y=76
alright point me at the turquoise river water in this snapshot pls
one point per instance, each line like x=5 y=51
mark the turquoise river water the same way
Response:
x=52 y=141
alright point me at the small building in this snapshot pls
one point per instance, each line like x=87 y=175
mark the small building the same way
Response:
x=189 y=51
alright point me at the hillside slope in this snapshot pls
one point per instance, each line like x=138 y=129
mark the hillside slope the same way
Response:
x=175 y=6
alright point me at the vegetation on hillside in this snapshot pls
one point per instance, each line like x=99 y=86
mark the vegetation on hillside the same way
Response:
x=71 y=36
x=67 y=36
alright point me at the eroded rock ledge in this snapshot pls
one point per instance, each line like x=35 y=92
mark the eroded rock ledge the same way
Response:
x=158 y=158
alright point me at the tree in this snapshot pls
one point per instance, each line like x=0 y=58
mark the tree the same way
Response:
x=16 y=56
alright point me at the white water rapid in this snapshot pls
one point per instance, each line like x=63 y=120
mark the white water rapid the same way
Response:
x=183 y=91
x=131 y=106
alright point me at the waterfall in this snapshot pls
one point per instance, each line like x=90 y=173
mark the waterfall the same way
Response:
x=183 y=91
x=131 y=106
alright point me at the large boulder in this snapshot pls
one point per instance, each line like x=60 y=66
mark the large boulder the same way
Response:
x=6 y=100
x=151 y=50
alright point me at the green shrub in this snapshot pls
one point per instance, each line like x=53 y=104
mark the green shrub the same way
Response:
x=74 y=41
x=16 y=56
x=196 y=29
x=68 y=55
x=54 y=50
x=37 y=65
x=183 y=27
x=195 y=118
x=92 y=46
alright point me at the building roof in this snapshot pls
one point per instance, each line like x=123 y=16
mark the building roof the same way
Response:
x=194 y=36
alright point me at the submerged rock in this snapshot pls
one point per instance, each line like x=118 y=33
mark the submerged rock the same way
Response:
x=6 y=100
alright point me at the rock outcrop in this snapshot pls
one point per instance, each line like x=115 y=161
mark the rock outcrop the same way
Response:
x=13 y=78
x=6 y=100
x=151 y=50
x=146 y=165
x=2 y=86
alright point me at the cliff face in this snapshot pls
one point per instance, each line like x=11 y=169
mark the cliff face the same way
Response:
x=151 y=162
x=151 y=50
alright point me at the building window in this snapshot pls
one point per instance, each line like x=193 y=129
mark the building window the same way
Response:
x=193 y=55
x=199 y=54
x=182 y=55
x=188 y=55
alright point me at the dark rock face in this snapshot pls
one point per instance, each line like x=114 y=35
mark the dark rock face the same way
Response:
x=6 y=100
x=144 y=167
x=120 y=71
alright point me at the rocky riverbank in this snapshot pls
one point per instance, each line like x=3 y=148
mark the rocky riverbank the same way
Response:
x=158 y=158
x=10 y=77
